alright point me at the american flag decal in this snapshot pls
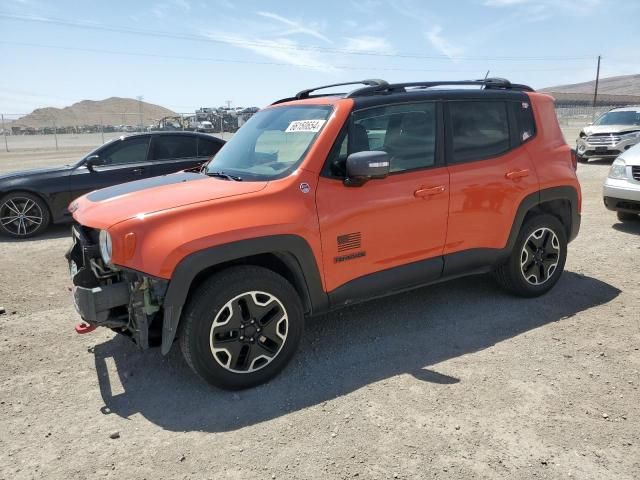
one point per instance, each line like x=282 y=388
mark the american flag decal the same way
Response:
x=349 y=241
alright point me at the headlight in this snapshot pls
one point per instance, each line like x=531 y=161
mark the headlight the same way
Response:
x=631 y=135
x=618 y=169
x=105 y=246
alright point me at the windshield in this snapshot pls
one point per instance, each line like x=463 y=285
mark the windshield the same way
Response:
x=619 y=118
x=272 y=144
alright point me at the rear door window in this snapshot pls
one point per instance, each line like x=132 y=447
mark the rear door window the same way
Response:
x=479 y=129
x=130 y=150
x=174 y=147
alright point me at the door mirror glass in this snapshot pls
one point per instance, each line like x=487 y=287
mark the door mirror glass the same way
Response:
x=364 y=166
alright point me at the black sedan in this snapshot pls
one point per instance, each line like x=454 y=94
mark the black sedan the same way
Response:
x=31 y=200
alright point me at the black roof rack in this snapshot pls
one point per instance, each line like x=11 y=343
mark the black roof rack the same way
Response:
x=487 y=83
x=306 y=93
x=374 y=86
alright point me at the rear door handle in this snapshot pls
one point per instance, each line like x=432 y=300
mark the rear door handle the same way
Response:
x=138 y=171
x=516 y=174
x=428 y=192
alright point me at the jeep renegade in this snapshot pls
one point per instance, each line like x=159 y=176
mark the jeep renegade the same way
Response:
x=323 y=200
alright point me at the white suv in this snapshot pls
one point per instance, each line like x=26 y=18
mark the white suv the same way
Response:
x=611 y=134
x=621 y=189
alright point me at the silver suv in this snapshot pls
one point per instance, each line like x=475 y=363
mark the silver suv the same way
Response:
x=610 y=135
x=621 y=189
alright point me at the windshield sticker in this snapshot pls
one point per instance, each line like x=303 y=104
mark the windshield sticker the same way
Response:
x=312 y=126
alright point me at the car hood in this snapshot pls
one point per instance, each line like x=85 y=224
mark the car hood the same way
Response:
x=35 y=172
x=106 y=207
x=632 y=156
x=593 y=129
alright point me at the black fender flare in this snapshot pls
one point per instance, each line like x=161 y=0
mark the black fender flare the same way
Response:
x=533 y=200
x=292 y=250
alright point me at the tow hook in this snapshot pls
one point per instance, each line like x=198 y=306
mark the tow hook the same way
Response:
x=83 y=327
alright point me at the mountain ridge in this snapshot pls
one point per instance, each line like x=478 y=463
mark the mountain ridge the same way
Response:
x=110 y=111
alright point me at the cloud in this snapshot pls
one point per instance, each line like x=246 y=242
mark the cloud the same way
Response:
x=281 y=50
x=503 y=3
x=572 y=7
x=367 y=43
x=441 y=44
x=161 y=9
x=296 y=27
x=371 y=27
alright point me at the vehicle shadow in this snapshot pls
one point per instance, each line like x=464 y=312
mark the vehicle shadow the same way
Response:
x=53 y=232
x=628 y=227
x=341 y=352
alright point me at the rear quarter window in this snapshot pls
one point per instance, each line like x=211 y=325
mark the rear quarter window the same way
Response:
x=524 y=119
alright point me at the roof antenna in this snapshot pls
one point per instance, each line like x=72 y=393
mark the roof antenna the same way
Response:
x=484 y=80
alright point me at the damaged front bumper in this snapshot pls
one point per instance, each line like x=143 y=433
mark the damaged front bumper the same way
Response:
x=126 y=301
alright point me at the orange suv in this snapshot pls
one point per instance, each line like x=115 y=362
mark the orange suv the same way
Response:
x=324 y=200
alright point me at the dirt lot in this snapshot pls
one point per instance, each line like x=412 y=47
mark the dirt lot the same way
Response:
x=456 y=381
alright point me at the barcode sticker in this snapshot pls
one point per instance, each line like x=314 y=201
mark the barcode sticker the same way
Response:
x=312 y=126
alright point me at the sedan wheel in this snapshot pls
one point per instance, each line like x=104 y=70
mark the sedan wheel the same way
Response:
x=23 y=215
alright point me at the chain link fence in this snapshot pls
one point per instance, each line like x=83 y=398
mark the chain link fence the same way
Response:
x=44 y=132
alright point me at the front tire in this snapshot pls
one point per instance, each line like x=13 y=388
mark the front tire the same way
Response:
x=241 y=327
x=23 y=215
x=627 y=217
x=537 y=259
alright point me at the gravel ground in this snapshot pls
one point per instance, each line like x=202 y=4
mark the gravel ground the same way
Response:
x=455 y=381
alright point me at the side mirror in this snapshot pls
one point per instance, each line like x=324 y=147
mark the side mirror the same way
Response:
x=93 y=161
x=364 y=166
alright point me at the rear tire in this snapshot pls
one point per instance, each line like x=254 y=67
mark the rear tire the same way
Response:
x=627 y=217
x=23 y=215
x=537 y=259
x=241 y=327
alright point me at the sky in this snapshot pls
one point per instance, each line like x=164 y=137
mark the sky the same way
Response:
x=186 y=54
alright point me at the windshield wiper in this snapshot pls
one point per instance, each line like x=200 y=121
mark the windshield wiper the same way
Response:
x=225 y=176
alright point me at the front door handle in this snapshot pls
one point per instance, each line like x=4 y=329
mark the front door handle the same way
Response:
x=516 y=174
x=138 y=171
x=429 y=191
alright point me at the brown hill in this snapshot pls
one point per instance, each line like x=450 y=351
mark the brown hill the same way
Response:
x=621 y=85
x=111 y=111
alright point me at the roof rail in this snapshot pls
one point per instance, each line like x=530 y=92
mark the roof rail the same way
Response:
x=373 y=82
x=487 y=84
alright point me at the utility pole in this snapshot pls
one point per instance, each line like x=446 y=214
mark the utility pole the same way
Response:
x=595 y=93
x=55 y=132
x=4 y=134
x=140 y=97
